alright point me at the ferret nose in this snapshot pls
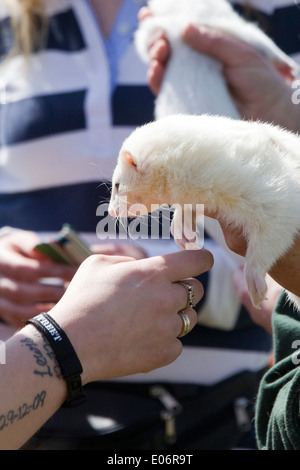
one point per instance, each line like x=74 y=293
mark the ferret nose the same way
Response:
x=112 y=212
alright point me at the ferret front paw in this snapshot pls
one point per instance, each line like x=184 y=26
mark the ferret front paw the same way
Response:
x=180 y=234
x=257 y=285
x=186 y=244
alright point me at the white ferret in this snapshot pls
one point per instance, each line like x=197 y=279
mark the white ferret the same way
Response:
x=247 y=172
x=194 y=83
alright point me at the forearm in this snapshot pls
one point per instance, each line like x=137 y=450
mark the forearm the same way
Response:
x=36 y=388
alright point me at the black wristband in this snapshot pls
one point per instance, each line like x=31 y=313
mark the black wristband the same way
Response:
x=66 y=357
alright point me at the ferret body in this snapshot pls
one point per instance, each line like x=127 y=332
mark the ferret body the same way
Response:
x=246 y=172
x=194 y=83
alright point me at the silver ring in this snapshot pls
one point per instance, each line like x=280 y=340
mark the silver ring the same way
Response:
x=186 y=324
x=191 y=296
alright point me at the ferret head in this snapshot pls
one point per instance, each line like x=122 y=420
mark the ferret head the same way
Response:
x=139 y=183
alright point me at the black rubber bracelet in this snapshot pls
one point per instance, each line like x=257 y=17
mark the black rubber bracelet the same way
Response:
x=66 y=357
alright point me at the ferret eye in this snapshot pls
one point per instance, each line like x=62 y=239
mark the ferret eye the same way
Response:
x=117 y=185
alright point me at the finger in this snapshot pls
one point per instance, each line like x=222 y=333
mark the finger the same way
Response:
x=184 y=264
x=188 y=292
x=155 y=76
x=15 y=315
x=50 y=269
x=159 y=53
x=159 y=49
x=23 y=241
x=29 y=269
x=144 y=13
x=219 y=45
x=192 y=321
x=20 y=292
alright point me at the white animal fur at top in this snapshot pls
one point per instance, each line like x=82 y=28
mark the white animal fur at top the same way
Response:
x=247 y=172
x=193 y=83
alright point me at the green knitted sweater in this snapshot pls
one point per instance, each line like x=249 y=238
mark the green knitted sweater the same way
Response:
x=277 y=410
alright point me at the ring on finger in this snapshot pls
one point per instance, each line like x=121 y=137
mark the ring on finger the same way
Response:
x=190 y=292
x=186 y=324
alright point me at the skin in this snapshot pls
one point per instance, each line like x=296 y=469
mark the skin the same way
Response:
x=21 y=269
x=286 y=270
x=121 y=318
x=106 y=13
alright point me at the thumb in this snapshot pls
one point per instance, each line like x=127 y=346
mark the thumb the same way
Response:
x=215 y=43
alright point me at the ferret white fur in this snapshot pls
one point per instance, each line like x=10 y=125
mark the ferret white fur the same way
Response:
x=194 y=83
x=247 y=172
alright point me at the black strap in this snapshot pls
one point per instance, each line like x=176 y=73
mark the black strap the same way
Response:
x=66 y=356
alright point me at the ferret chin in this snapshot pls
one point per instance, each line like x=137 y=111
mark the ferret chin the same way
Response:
x=246 y=172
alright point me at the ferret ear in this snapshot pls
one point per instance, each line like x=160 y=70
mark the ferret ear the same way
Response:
x=129 y=159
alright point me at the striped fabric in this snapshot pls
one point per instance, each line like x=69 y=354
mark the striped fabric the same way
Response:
x=63 y=116
x=61 y=127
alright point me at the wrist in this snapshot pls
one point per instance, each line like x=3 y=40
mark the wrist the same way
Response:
x=65 y=354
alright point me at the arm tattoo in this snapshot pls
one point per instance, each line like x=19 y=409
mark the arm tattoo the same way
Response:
x=14 y=415
x=45 y=366
x=45 y=360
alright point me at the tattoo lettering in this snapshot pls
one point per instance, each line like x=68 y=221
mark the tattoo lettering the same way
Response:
x=23 y=410
x=44 y=368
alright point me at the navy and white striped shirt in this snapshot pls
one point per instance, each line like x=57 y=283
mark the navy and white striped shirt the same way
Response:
x=63 y=116
x=62 y=120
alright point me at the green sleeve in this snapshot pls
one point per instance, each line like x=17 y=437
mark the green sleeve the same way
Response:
x=277 y=410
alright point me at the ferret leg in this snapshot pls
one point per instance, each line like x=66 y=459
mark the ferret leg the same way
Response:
x=256 y=284
x=184 y=227
x=258 y=260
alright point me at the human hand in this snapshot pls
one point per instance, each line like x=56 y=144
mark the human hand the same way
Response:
x=261 y=90
x=159 y=53
x=22 y=295
x=121 y=314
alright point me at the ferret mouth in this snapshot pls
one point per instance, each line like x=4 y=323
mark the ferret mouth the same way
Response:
x=132 y=211
x=112 y=212
x=136 y=210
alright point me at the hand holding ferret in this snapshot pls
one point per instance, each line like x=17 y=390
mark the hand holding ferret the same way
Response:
x=260 y=89
x=199 y=64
